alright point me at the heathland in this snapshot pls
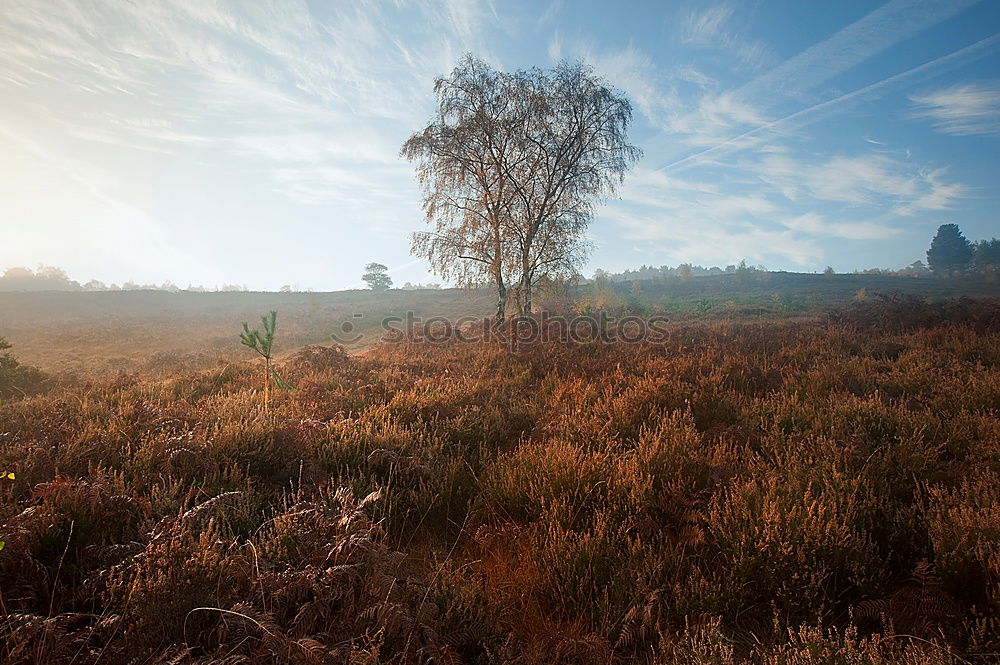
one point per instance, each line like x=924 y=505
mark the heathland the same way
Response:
x=160 y=331
x=803 y=471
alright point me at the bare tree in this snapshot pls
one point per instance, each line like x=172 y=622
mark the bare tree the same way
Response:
x=572 y=153
x=512 y=168
x=466 y=197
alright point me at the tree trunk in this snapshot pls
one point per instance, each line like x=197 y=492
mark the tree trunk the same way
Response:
x=497 y=269
x=267 y=384
x=526 y=272
x=501 y=304
x=525 y=293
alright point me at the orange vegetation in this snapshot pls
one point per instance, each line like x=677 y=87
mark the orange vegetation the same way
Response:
x=813 y=491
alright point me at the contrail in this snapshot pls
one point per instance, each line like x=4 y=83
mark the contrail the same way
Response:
x=407 y=265
x=981 y=45
x=890 y=24
x=884 y=27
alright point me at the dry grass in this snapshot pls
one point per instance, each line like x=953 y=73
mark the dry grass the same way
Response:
x=157 y=333
x=783 y=492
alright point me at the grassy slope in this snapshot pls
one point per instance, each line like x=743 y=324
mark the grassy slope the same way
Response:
x=151 y=330
x=784 y=293
x=156 y=331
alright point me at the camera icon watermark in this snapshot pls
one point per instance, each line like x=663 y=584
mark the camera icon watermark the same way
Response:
x=348 y=333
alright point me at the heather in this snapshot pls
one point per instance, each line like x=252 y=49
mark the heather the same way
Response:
x=810 y=490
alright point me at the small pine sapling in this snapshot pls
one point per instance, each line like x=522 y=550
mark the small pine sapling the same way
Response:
x=261 y=343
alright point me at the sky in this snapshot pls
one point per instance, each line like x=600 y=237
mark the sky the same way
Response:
x=257 y=142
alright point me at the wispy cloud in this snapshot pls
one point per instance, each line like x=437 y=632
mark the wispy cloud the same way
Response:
x=780 y=205
x=875 y=179
x=551 y=12
x=679 y=100
x=712 y=28
x=815 y=224
x=714 y=120
x=636 y=74
x=963 y=110
x=936 y=194
x=678 y=218
x=875 y=182
x=246 y=70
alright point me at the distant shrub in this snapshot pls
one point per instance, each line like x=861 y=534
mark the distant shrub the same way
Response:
x=313 y=360
x=17 y=380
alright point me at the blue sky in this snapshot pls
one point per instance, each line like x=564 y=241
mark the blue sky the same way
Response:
x=257 y=142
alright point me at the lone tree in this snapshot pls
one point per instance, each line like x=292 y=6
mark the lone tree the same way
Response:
x=512 y=167
x=950 y=250
x=377 y=277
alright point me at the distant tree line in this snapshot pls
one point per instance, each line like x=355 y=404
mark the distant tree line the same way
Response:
x=51 y=278
x=686 y=271
x=915 y=269
x=418 y=286
x=683 y=272
x=950 y=253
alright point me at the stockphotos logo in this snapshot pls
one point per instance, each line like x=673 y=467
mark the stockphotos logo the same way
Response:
x=577 y=329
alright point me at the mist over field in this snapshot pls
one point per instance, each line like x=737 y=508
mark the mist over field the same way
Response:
x=426 y=333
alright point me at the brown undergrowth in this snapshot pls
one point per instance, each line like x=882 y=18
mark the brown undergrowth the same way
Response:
x=821 y=491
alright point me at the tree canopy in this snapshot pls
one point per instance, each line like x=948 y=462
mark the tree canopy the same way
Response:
x=512 y=167
x=986 y=256
x=950 y=251
x=376 y=276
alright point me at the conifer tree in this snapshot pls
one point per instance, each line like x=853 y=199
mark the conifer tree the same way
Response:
x=950 y=251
